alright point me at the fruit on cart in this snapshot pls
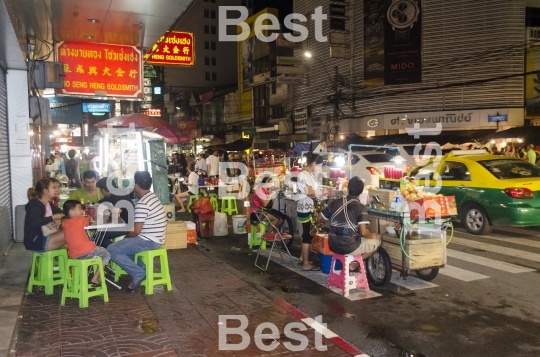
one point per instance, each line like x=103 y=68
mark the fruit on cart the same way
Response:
x=411 y=192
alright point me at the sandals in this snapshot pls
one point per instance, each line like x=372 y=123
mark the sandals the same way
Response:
x=313 y=268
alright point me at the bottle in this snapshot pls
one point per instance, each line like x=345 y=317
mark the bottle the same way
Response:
x=82 y=204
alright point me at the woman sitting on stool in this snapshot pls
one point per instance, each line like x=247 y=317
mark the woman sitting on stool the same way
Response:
x=193 y=187
x=263 y=200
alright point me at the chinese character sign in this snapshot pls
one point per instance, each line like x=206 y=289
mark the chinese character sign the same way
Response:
x=176 y=49
x=101 y=69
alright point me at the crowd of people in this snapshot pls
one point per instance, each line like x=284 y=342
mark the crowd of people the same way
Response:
x=46 y=227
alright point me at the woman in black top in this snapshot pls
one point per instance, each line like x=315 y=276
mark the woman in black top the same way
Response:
x=39 y=212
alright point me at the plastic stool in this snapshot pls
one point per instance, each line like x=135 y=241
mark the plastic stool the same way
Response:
x=253 y=239
x=228 y=205
x=155 y=278
x=190 y=201
x=43 y=272
x=214 y=195
x=214 y=202
x=345 y=281
x=77 y=286
x=204 y=224
x=118 y=271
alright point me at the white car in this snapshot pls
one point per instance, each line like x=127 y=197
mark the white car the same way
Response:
x=369 y=165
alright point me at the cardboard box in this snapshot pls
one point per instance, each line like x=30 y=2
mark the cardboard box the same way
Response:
x=176 y=236
x=432 y=207
x=320 y=244
x=427 y=252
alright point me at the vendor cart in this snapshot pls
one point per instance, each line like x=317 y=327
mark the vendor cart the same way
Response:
x=419 y=247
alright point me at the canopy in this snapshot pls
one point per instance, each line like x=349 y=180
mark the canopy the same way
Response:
x=314 y=146
x=528 y=134
x=238 y=145
x=172 y=134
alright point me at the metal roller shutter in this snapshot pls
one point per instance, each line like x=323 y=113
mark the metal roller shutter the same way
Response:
x=5 y=191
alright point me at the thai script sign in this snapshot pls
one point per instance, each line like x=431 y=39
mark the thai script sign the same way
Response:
x=175 y=49
x=300 y=121
x=100 y=69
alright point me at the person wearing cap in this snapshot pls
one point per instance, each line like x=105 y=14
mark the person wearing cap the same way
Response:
x=118 y=201
x=149 y=226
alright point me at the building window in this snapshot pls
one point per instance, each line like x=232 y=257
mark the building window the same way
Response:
x=213 y=30
x=206 y=29
x=207 y=61
x=213 y=46
x=206 y=13
x=212 y=14
x=214 y=76
x=207 y=76
x=213 y=1
x=206 y=45
x=214 y=61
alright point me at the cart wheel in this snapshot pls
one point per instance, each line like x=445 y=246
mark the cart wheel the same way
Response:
x=427 y=274
x=379 y=268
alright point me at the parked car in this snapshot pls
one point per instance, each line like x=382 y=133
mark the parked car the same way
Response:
x=369 y=165
x=490 y=190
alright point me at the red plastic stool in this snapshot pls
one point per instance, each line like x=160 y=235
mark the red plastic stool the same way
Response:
x=204 y=224
x=343 y=279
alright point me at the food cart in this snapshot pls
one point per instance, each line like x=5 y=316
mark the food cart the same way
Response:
x=420 y=245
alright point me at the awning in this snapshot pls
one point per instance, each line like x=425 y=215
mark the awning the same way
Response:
x=238 y=145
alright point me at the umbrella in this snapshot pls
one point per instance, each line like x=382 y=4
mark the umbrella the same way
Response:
x=172 y=134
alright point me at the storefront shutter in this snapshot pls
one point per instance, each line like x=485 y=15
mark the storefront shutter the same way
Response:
x=5 y=192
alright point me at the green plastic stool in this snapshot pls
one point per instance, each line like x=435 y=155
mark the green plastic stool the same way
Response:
x=155 y=278
x=190 y=201
x=77 y=286
x=253 y=239
x=211 y=194
x=214 y=202
x=118 y=272
x=48 y=269
x=228 y=205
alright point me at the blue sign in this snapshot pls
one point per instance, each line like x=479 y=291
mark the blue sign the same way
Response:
x=66 y=110
x=96 y=107
x=497 y=118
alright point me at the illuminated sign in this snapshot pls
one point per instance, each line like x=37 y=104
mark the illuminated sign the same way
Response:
x=245 y=136
x=157 y=90
x=96 y=107
x=153 y=112
x=100 y=69
x=177 y=49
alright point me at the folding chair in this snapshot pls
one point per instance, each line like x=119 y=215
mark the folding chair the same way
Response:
x=272 y=239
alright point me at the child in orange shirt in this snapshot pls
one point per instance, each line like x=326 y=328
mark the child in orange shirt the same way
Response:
x=78 y=244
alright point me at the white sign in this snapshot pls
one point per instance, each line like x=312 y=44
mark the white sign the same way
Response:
x=289 y=70
x=300 y=121
x=291 y=61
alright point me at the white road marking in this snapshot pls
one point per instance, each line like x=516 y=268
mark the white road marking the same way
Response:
x=320 y=328
x=491 y=263
x=516 y=253
x=411 y=282
x=522 y=241
x=461 y=274
x=519 y=230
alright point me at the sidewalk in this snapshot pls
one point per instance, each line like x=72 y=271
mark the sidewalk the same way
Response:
x=183 y=322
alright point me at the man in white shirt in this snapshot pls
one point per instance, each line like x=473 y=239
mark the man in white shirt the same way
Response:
x=213 y=164
x=200 y=165
x=150 y=224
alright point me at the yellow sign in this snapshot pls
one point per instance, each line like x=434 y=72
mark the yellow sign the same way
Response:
x=245 y=136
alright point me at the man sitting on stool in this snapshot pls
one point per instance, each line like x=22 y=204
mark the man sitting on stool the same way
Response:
x=148 y=233
x=348 y=225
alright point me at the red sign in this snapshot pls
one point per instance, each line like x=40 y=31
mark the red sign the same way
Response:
x=153 y=112
x=177 y=49
x=99 y=69
x=187 y=125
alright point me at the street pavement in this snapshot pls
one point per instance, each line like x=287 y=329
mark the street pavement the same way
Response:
x=483 y=303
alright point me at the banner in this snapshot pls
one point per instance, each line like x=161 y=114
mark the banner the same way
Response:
x=374 y=17
x=98 y=69
x=392 y=42
x=300 y=121
x=403 y=42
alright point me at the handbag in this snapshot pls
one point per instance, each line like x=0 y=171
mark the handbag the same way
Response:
x=49 y=228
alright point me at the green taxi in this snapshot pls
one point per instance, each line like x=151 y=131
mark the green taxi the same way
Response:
x=490 y=190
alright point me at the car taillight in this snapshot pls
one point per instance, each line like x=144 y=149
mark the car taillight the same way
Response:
x=518 y=192
x=373 y=170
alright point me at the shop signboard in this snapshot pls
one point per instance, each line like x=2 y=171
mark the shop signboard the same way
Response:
x=187 y=125
x=92 y=69
x=95 y=107
x=300 y=121
x=176 y=48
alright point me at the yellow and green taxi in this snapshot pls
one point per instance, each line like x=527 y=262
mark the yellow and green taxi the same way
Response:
x=490 y=190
